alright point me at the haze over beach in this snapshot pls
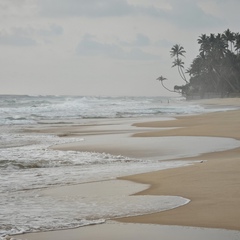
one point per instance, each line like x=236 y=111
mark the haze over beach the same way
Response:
x=108 y=47
x=92 y=146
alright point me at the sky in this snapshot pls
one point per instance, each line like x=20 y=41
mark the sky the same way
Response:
x=103 y=47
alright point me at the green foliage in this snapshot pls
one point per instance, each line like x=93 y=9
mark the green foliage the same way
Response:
x=176 y=51
x=215 y=70
x=217 y=67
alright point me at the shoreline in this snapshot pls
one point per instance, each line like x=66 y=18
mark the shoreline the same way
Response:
x=210 y=206
x=206 y=184
x=213 y=180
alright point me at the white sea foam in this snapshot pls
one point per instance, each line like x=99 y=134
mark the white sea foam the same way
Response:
x=30 y=110
x=41 y=212
x=28 y=165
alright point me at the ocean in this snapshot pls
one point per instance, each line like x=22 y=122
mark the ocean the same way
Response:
x=28 y=165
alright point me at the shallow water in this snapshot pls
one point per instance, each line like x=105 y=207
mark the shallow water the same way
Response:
x=28 y=164
x=119 y=231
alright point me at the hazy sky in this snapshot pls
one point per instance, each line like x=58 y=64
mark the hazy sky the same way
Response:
x=102 y=47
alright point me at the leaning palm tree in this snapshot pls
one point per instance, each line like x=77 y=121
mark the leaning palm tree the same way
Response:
x=176 y=51
x=180 y=64
x=161 y=79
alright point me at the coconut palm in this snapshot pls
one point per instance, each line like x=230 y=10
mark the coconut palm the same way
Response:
x=205 y=45
x=237 y=43
x=180 y=64
x=161 y=79
x=216 y=69
x=214 y=62
x=229 y=37
x=220 y=46
x=176 y=51
x=197 y=67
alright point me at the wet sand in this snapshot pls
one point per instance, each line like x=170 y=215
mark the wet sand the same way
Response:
x=212 y=186
x=121 y=231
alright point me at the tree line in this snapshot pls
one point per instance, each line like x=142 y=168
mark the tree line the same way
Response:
x=215 y=70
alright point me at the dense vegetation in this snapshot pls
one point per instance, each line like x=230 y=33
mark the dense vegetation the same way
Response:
x=215 y=71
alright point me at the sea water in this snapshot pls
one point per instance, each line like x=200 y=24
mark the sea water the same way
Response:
x=28 y=164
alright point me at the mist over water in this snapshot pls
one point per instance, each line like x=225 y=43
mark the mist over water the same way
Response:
x=37 y=109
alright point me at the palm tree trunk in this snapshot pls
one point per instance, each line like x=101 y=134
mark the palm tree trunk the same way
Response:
x=180 y=73
x=184 y=78
x=166 y=87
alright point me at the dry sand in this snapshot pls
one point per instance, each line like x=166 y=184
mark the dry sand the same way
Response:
x=212 y=186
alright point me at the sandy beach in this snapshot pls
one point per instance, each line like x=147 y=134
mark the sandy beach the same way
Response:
x=211 y=184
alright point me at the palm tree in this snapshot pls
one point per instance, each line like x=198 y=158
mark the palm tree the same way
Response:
x=214 y=49
x=202 y=39
x=217 y=58
x=161 y=79
x=216 y=68
x=197 y=67
x=220 y=46
x=204 y=44
x=178 y=62
x=229 y=37
x=176 y=51
x=237 y=43
x=212 y=39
